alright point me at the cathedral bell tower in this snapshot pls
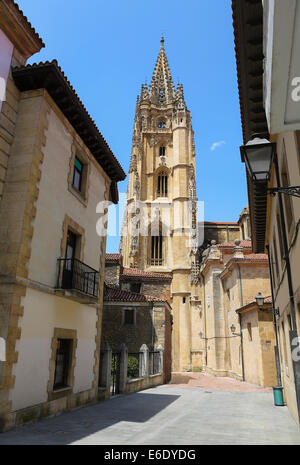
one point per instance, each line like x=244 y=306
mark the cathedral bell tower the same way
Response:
x=160 y=223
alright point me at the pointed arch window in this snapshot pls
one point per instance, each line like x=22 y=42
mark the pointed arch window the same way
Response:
x=162 y=184
x=161 y=124
x=157 y=250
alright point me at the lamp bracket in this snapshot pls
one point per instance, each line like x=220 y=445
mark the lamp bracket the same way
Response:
x=292 y=190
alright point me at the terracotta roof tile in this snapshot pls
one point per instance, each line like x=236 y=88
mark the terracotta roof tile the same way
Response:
x=25 y=20
x=136 y=273
x=50 y=76
x=256 y=256
x=118 y=295
x=246 y=244
x=113 y=257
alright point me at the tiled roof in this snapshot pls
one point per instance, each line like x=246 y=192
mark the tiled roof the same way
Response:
x=49 y=76
x=221 y=222
x=112 y=257
x=118 y=295
x=24 y=19
x=267 y=300
x=246 y=244
x=136 y=273
x=255 y=256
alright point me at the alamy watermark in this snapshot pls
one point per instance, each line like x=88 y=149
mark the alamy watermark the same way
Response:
x=296 y=91
x=159 y=218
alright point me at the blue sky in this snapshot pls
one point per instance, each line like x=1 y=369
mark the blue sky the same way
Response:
x=108 y=49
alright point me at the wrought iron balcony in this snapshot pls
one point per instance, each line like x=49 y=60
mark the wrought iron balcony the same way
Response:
x=75 y=275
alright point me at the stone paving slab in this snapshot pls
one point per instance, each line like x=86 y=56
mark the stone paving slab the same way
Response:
x=168 y=416
x=205 y=381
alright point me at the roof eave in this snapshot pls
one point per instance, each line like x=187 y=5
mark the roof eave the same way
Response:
x=49 y=76
x=18 y=29
x=248 y=38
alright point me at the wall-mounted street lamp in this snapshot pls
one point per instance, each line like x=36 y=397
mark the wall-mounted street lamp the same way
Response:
x=260 y=300
x=233 y=328
x=259 y=155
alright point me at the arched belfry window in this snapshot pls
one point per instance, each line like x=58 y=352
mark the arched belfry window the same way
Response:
x=157 y=250
x=162 y=184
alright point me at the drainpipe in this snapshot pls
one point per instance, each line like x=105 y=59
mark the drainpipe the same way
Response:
x=204 y=302
x=240 y=321
x=277 y=359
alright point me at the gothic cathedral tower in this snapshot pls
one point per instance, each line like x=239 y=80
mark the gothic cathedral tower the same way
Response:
x=160 y=223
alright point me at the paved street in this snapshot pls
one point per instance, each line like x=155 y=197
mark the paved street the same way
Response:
x=174 y=414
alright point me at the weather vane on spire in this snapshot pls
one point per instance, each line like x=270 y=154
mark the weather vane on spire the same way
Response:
x=162 y=40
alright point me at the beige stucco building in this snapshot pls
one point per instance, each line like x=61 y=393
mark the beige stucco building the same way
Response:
x=269 y=100
x=55 y=169
x=231 y=276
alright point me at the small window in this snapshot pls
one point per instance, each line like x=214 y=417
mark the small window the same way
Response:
x=161 y=124
x=135 y=287
x=162 y=151
x=249 y=327
x=162 y=184
x=77 y=175
x=129 y=317
x=183 y=300
x=62 y=363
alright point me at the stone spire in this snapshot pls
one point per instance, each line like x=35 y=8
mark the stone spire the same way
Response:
x=162 y=87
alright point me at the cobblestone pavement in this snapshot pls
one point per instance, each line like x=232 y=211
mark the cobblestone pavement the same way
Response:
x=171 y=415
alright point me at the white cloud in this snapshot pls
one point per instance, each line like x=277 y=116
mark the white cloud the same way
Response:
x=217 y=144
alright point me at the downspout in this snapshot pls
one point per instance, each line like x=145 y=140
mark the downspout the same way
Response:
x=204 y=302
x=240 y=321
x=277 y=359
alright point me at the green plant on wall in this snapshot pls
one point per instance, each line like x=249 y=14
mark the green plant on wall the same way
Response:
x=133 y=367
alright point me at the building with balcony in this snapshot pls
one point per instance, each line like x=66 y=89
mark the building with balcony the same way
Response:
x=267 y=41
x=55 y=168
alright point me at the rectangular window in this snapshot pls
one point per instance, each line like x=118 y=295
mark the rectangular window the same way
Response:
x=135 y=287
x=128 y=317
x=162 y=151
x=62 y=363
x=249 y=327
x=77 y=175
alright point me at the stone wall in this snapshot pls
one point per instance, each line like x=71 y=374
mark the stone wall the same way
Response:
x=115 y=333
x=112 y=274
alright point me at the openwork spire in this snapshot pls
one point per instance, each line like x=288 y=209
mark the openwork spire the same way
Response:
x=162 y=87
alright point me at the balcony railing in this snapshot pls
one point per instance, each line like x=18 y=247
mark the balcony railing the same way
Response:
x=75 y=275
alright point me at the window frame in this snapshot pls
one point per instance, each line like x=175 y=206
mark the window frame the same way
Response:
x=133 y=323
x=66 y=363
x=79 y=172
